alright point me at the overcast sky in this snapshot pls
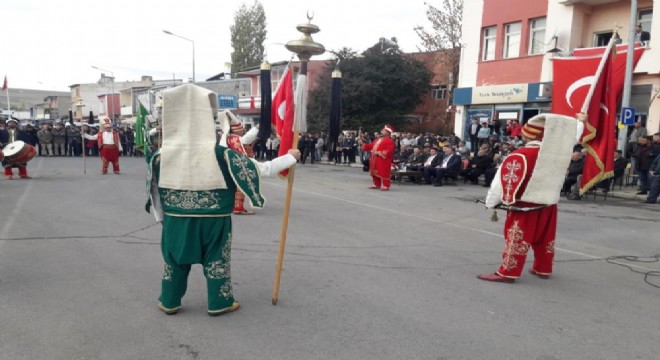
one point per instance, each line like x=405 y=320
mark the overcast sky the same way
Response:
x=52 y=44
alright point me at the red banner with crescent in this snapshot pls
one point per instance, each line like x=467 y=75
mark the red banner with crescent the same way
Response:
x=573 y=78
x=282 y=114
x=619 y=66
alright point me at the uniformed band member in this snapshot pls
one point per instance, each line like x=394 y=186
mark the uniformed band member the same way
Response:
x=109 y=146
x=528 y=185
x=192 y=183
x=380 y=158
x=7 y=136
x=240 y=142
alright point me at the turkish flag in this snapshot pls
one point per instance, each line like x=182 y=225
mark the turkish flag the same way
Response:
x=619 y=67
x=282 y=114
x=4 y=84
x=573 y=79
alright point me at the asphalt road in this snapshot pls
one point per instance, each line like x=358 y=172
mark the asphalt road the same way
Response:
x=367 y=275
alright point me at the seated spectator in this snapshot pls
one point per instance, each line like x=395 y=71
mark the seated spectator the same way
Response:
x=620 y=165
x=416 y=160
x=431 y=162
x=477 y=166
x=448 y=167
x=574 y=170
x=463 y=151
x=405 y=153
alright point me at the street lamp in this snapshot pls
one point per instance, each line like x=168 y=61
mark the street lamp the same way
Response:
x=112 y=79
x=193 y=50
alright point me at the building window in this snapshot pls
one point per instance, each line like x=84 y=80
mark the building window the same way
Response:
x=536 y=36
x=511 y=40
x=602 y=39
x=645 y=18
x=439 y=92
x=488 y=50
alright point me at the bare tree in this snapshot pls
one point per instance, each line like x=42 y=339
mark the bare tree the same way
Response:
x=444 y=38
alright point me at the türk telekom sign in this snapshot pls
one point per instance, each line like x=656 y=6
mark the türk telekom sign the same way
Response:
x=499 y=94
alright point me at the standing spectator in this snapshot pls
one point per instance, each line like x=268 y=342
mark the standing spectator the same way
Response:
x=272 y=146
x=643 y=156
x=31 y=136
x=654 y=170
x=45 y=141
x=473 y=131
x=637 y=132
x=347 y=147
x=514 y=128
x=73 y=134
x=641 y=35
x=307 y=148
x=484 y=133
x=59 y=139
x=130 y=141
x=320 y=142
x=123 y=140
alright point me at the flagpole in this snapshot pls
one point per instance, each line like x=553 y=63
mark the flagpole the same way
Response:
x=285 y=224
x=305 y=47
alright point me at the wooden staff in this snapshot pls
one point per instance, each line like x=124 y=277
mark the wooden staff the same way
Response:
x=285 y=224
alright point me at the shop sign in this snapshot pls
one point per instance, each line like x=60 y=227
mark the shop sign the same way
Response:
x=499 y=94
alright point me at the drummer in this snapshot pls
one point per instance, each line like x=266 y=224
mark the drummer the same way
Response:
x=9 y=135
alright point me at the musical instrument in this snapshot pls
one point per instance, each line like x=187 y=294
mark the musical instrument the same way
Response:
x=19 y=152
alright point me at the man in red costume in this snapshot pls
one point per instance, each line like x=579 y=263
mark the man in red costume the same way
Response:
x=109 y=146
x=380 y=160
x=241 y=142
x=527 y=185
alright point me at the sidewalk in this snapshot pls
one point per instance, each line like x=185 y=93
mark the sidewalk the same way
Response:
x=625 y=192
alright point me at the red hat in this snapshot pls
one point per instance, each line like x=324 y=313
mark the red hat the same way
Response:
x=236 y=127
x=106 y=122
x=534 y=128
x=389 y=129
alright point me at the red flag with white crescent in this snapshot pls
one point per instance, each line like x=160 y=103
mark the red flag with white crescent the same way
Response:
x=574 y=80
x=619 y=66
x=282 y=114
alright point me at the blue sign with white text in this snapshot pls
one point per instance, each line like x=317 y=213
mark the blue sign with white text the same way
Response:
x=628 y=116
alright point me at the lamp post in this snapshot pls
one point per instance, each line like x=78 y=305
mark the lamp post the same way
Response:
x=193 y=50
x=112 y=79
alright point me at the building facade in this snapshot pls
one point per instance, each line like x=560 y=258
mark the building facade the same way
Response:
x=508 y=47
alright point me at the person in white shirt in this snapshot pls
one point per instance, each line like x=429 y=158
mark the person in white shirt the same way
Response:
x=109 y=146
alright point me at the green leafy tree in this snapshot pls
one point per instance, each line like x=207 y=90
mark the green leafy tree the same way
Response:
x=247 y=37
x=380 y=87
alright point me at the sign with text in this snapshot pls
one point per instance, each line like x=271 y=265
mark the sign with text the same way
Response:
x=499 y=94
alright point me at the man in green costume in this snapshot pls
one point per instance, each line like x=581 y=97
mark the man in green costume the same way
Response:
x=191 y=185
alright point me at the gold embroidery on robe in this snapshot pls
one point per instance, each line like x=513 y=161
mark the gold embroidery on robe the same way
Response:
x=515 y=246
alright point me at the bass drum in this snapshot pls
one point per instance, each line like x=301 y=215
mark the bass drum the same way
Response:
x=19 y=152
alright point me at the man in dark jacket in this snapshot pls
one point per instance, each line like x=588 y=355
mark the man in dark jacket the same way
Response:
x=644 y=159
x=477 y=166
x=574 y=170
x=448 y=167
